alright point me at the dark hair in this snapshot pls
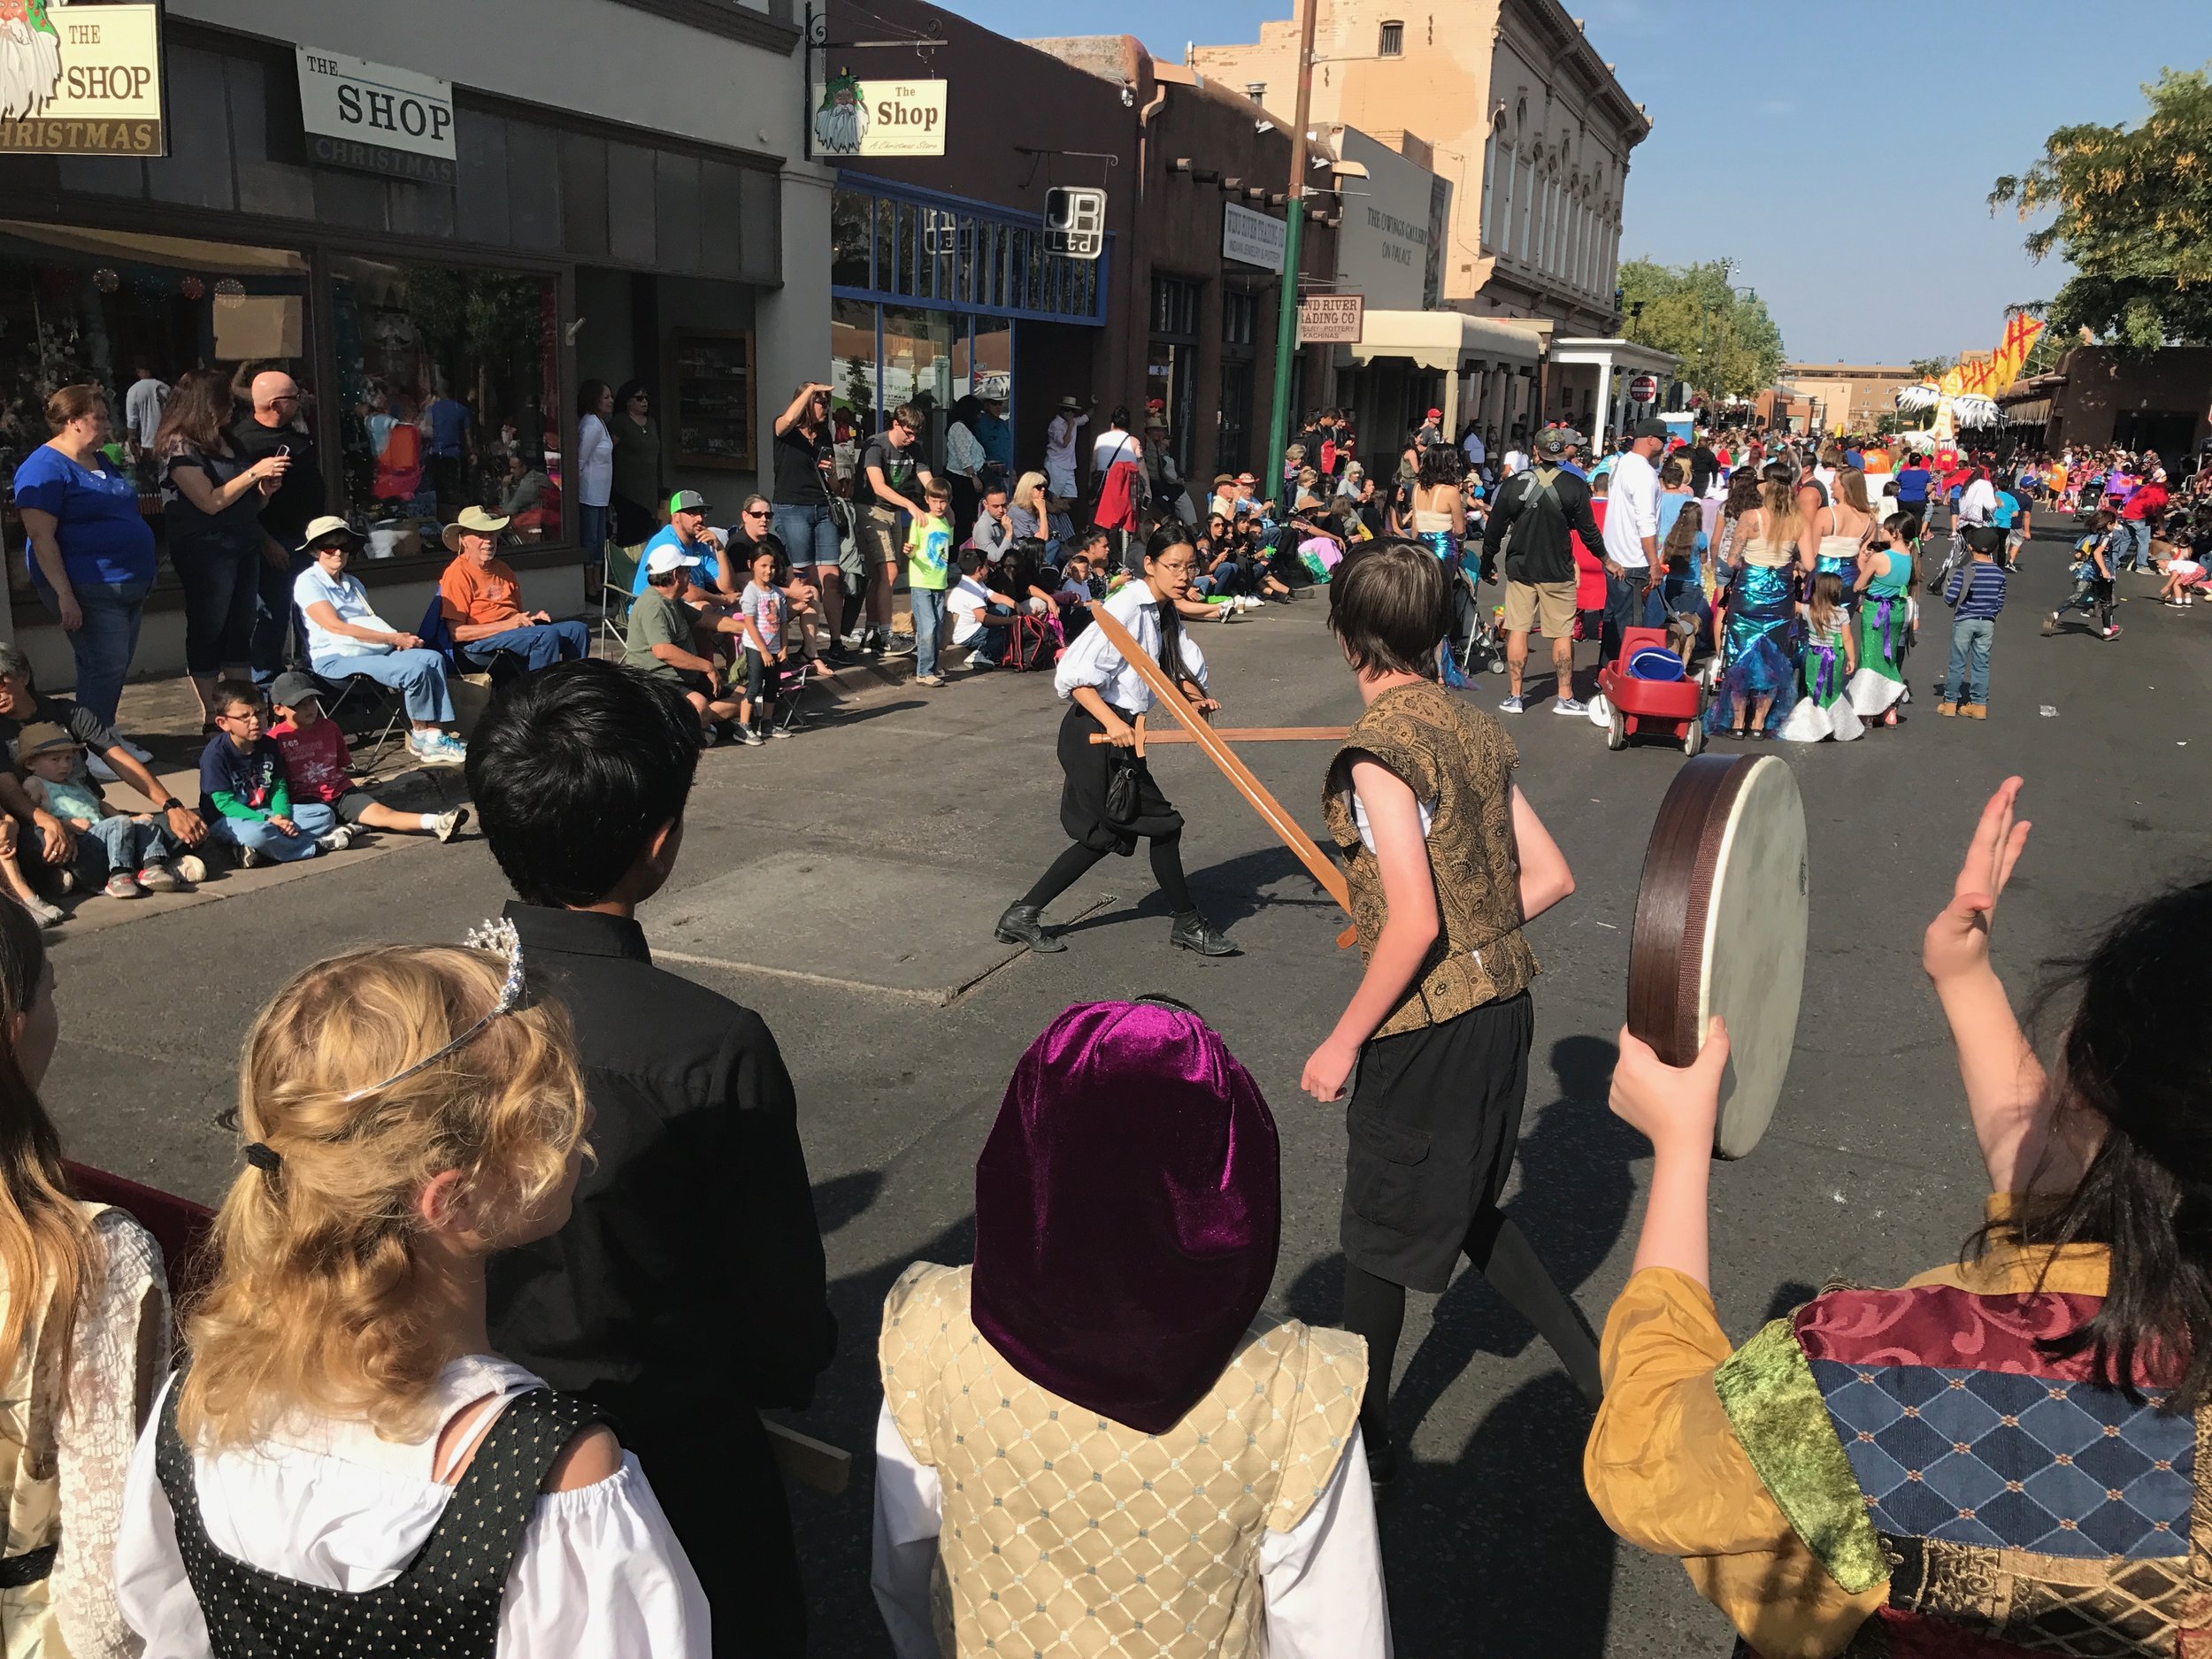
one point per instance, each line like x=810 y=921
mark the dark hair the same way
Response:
x=1673 y=473
x=1157 y=545
x=627 y=391
x=198 y=410
x=74 y=402
x=573 y=770
x=229 y=691
x=906 y=415
x=588 y=397
x=1389 y=604
x=1091 y=538
x=1440 y=464
x=1743 y=493
x=2134 y=1059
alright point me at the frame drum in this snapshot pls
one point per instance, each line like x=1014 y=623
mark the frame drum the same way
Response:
x=1721 y=919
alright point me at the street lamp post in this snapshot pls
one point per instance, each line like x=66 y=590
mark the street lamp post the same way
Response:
x=1287 y=308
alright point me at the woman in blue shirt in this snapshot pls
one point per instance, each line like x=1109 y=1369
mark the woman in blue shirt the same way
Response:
x=92 y=552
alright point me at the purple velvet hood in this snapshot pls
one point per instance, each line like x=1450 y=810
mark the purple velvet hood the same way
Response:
x=1128 y=1207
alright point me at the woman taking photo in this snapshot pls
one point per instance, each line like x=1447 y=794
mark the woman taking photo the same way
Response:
x=639 y=488
x=344 y=1460
x=595 y=465
x=83 y=1338
x=212 y=501
x=1758 y=673
x=92 y=552
x=1111 y=799
x=2002 y=1456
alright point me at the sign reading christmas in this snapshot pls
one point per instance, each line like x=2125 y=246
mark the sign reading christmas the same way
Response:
x=376 y=118
x=853 y=117
x=82 y=80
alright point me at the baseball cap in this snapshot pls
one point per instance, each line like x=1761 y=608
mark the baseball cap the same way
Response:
x=1652 y=428
x=662 y=560
x=687 y=501
x=292 y=688
x=1436 y=414
x=1558 y=441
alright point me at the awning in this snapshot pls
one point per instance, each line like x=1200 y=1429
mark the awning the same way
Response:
x=1444 y=341
x=2036 y=412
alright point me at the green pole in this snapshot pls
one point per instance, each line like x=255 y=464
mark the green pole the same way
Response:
x=1285 y=352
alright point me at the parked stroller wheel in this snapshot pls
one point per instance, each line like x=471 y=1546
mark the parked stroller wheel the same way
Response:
x=1617 y=731
x=1497 y=665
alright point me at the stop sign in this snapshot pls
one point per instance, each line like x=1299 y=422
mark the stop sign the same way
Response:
x=1643 y=389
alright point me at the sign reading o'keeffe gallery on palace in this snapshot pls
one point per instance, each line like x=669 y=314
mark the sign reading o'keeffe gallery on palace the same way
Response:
x=375 y=119
x=80 y=80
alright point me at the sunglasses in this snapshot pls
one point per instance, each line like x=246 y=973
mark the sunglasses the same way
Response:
x=757 y=512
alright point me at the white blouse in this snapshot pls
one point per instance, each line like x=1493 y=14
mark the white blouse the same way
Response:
x=595 y=461
x=1321 y=1582
x=327 y=1502
x=1091 y=661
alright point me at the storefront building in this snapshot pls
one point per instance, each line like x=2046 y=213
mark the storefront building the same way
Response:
x=620 y=214
x=2097 y=396
x=939 y=284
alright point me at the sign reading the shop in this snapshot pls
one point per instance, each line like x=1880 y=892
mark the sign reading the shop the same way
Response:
x=1075 y=221
x=83 y=79
x=1326 y=319
x=1251 y=238
x=853 y=117
x=1643 y=389
x=375 y=119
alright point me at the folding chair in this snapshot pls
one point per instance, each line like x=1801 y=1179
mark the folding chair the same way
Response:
x=615 y=597
x=436 y=633
x=365 y=709
x=789 y=718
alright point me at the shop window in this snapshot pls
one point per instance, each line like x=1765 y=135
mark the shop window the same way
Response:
x=1393 y=40
x=1238 y=309
x=852 y=236
x=448 y=396
x=852 y=375
x=1174 y=306
x=79 y=305
x=907 y=237
x=886 y=243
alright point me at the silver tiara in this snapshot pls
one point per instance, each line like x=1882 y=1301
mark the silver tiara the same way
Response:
x=497 y=936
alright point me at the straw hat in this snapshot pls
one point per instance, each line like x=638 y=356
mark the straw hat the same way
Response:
x=475 y=521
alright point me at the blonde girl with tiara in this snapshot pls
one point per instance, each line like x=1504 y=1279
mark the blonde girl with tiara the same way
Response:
x=343 y=1464
x=1831 y=657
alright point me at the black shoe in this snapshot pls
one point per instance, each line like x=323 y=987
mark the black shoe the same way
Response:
x=1190 y=932
x=1024 y=925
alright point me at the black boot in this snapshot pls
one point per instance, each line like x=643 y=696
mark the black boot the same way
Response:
x=1024 y=925
x=1190 y=932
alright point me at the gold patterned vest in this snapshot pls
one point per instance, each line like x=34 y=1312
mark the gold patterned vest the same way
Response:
x=1064 y=1532
x=1459 y=764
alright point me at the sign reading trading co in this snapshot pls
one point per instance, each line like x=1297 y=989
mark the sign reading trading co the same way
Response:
x=1251 y=238
x=375 y=119
x=1326 y=319
x=853 y=117
x=83 y=79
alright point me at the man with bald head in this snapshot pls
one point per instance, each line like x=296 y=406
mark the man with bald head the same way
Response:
x=276 y=423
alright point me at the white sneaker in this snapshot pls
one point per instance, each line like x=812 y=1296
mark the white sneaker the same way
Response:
x=193 y=868
x=337 y=840
x=449 y=823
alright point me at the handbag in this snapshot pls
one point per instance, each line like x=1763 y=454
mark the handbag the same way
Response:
x=1121 y=787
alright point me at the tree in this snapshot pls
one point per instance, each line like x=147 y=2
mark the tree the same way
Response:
x=1728 y=344
x=2133 y=215
x=1932 y=368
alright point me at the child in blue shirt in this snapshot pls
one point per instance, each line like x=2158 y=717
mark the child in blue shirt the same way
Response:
x=243 y=796
x=1975 y=593
x=2093 y=578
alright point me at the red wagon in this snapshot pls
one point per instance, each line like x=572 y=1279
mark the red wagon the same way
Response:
x=1672 y=709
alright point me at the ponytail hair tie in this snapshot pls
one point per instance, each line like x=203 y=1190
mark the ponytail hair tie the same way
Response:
x=263 y=1158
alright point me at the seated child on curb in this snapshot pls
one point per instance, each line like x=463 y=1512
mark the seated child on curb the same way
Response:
x=319 y=767
x=243 y=795
x=129 y=853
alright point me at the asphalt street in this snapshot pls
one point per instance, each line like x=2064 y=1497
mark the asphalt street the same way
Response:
x=845 y=884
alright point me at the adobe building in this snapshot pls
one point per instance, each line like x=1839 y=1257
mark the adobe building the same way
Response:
x=2097 y=396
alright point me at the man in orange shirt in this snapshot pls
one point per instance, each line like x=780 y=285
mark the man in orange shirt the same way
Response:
x=479 y=597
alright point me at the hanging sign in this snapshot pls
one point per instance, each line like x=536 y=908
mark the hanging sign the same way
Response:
x=853 y=117
x=1075 y=221
x=83 y=79
x=1251 y=238
x=375 y=119
x=1643 y=389
x=1326 y=320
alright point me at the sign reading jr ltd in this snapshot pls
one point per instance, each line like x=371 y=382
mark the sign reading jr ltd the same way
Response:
x=80 y=80
x=375 y=119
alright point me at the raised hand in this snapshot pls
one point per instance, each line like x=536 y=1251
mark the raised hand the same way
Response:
x=1958 y=941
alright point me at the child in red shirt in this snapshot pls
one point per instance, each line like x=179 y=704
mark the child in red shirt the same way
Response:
x=319 y=767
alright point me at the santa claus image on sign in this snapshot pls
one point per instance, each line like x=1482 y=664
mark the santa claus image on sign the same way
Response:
x=30 y=58
x=843 y=120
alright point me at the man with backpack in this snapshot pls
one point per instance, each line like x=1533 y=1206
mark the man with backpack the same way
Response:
x=1536 y=510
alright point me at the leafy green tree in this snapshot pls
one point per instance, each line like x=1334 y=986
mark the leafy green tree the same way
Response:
x=1728 y=344
x=2132 y=212
x=1932 y=368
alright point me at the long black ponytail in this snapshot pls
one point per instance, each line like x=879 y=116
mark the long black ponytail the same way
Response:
x=2135 y=1057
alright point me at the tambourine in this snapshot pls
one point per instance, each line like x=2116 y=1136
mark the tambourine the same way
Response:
x=1721 y=923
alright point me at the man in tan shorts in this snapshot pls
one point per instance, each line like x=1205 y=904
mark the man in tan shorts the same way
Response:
x=1536 y=512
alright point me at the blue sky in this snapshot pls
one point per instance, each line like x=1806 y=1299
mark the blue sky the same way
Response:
x=1832 y=160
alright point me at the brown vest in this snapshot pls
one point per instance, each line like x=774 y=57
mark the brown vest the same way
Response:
x=1459 y=764
x=1064 y=1532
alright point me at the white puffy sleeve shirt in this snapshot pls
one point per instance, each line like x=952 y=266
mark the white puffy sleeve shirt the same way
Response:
x=599 y=1574
x=1090 y=660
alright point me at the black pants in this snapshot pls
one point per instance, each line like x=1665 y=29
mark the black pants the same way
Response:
x=222 y=596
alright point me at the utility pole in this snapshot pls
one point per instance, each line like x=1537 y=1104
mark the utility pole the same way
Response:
x=1286 y=318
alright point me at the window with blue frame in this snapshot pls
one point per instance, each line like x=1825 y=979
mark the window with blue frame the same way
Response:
x=918 y=250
